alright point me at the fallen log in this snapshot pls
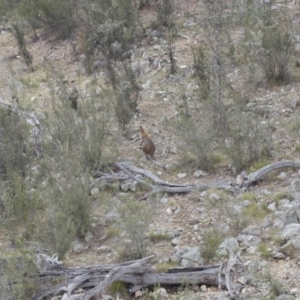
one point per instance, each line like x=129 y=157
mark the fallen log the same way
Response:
x=240 y=184
x=137 y=273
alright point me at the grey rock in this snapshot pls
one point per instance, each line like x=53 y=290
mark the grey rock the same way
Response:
x=248 y=240
x=284 y=204
x=125 y=187
x=78 y=247
x=292 y=215
x=292 y=247
x=246 y=203
x=103 y=249
x=282 y=175
x=177 y=256
x=160 y=294
x=266 y=222
x=88 y=237
x=290 y=231
x=95 y=192
x=295 y=185
x=252 y=230
x=164 y=200
x=174 y=242
x=192 y=257
x=230 y=243
x=214 y=196
x=277 y=255
x=144 y=67
x=203 y=288
x=252 y=250
x=170 y=167
x=133 y=186
x=199 y=173
x=255 y=266
x=272 y=206
x=111 y=216
x=116 y=47
x=181 y=175
x=278 y=223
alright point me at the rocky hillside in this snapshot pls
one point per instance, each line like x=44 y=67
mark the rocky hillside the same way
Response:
x=214 y=84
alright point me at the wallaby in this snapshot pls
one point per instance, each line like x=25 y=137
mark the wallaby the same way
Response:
x=148 y=146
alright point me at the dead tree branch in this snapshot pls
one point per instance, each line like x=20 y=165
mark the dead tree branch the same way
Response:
x=137 y=273
x=243 y=182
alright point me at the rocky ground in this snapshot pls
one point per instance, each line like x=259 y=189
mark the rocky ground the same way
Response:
x=270 y=246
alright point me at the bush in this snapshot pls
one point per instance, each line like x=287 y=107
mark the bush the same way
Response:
x=20 y=205
x=248 y=141
x=201 y=72
x=165 y=11
x=268 y=48
x=211 y=241
x=134 y=220
x=18 y=275
x=277 y=288
x=58 y=232
x=278 y=48
x=19 y=33
x=81 y=132
x=111 y=26
x=125 y=108
x=197 y=144
x=68 y=208
x=54 y=15
x=15 y=153
x=254 y=212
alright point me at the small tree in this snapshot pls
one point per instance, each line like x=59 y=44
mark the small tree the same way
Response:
x=19 y=33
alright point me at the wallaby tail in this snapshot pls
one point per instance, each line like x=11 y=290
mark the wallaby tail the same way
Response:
x=156 y=162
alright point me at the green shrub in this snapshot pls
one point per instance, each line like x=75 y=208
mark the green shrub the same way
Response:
x=15 y=153
x=156 y=237
x=125 y=108
x=19 y=210
x=264 y=251
x=248 y=140
x=118 y=288
x=134 y=220
x=57 y=232
x=19 y=33
x=254 y=212
x=81 y=133
x=277 y=287
x=54 y=15
x=68 y=208
x=211 y=241
x=18 y=276
x=111 y=28
x=165 y=266
x=196 y=144
x=268 y=47
x=165 y=10
x=201 y=72
x=278 y=48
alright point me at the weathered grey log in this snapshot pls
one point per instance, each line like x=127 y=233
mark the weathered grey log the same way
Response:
x=259 y=174
x=116 y=273
x=230 y=184
x=138 y=273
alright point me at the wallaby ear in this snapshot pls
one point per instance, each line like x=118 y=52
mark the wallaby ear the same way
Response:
x=141 y=128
